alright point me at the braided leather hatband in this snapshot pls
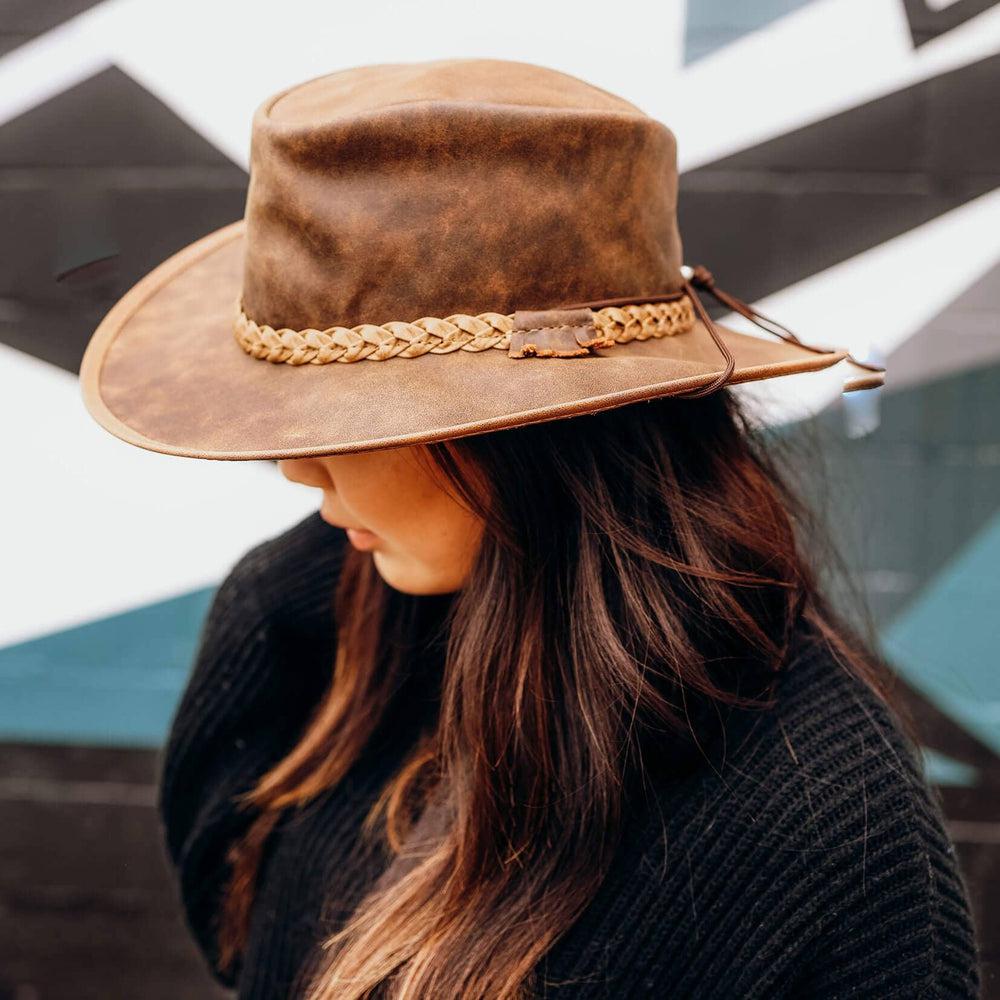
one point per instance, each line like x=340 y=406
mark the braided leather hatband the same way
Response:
x=460 y=332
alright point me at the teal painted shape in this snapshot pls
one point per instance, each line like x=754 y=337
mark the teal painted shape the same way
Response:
x=714 y=24
x=946 y=642
x=943 y=770
x=112 y=682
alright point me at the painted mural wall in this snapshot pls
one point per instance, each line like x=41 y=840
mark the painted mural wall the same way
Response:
x=840 y=163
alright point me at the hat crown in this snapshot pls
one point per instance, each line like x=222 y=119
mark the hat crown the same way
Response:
x=361 y=89
x=392 y=192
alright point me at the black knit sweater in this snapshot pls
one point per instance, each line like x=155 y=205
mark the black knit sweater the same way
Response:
x=808 y=860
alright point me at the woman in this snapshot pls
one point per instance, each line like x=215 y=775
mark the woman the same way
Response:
x=533 y=706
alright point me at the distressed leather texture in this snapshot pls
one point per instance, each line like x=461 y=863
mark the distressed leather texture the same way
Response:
x=402 y=191
x=554 y=333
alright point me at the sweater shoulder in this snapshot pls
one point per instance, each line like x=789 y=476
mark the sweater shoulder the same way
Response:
x=831 y=754
x=815 y=822
x=855 y=816
x=823 y=789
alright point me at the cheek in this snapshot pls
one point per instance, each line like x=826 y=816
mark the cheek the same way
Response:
x=431 y=555
x=443 y=536
x=384 y=494
x=429 y=536
x=427 y=539
x=429 y=528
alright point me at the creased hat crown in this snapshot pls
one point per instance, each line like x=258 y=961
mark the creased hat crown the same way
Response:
x=392 y=192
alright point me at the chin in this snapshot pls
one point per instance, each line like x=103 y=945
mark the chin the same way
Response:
x=410 y=579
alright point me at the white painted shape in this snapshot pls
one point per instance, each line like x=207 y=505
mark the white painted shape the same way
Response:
x=939 y=5
x=873 y=301
x=235 y=60
x=95 y=526
x=826 y=57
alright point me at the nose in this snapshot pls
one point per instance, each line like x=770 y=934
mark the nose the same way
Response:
x=306 y=471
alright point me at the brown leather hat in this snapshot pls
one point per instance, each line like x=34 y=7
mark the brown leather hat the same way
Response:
x=429 y=250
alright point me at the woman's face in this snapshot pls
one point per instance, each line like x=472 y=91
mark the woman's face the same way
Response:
x=421 y=539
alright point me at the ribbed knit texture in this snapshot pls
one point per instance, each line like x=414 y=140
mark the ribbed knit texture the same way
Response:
x=807 y=858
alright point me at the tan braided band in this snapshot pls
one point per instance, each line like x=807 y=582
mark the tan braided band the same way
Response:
x=430 y=335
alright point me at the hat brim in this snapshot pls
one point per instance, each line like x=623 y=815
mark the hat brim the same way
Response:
x=163 y=371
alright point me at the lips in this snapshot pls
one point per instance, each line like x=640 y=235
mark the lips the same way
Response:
x=360 y=538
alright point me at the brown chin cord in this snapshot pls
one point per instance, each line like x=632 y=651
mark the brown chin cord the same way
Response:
x=702 y=313
x=701 y=277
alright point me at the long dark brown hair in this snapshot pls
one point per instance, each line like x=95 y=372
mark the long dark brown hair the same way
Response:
x=635 y=563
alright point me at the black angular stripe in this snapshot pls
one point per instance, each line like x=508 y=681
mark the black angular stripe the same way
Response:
x=105 y=172
x=23 y=20
x=769 y=216
x=927 y=24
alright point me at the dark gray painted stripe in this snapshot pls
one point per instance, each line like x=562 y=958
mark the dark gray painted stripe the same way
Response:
x=927 y=23
x=769 y=216
x=22 y=20
x=101 y=169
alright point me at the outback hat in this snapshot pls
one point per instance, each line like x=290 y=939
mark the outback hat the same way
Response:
x=428 y=250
